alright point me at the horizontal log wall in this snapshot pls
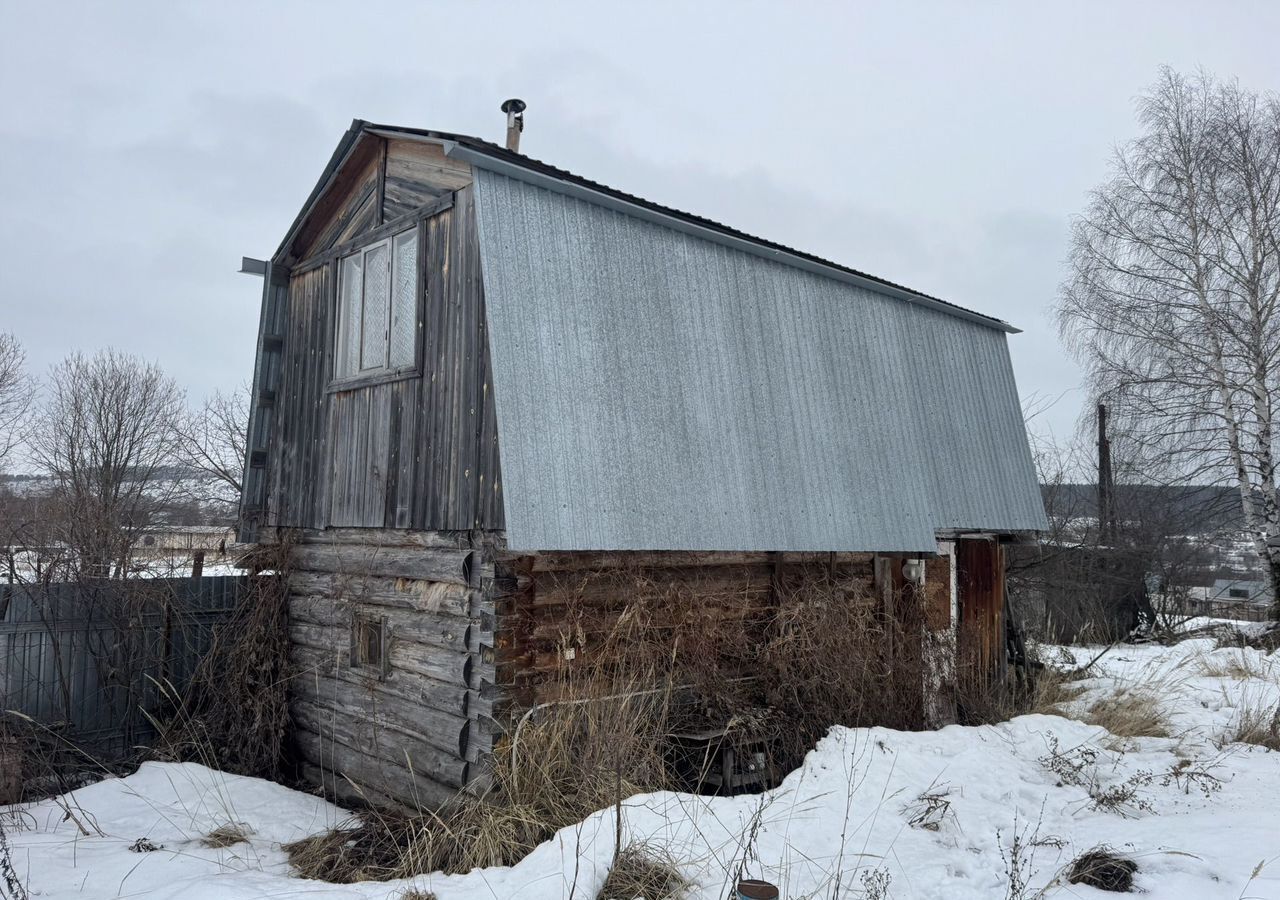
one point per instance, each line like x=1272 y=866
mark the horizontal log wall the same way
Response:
x=477 y=635
x=550 y=603
x=422 y=730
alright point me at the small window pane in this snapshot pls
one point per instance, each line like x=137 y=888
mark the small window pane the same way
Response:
x=404 y=305
x=350 y=279
x=377 y=275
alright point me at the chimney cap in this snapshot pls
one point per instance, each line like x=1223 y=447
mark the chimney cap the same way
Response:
x=514 y=105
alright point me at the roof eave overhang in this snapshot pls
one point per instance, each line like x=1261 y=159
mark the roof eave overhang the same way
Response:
x=339 y=159
x=506 y=167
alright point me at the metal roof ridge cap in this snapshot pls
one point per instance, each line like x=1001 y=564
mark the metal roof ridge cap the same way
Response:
x=600 y=198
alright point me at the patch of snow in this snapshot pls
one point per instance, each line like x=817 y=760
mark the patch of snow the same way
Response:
x=847 y=811
x=1246 y=627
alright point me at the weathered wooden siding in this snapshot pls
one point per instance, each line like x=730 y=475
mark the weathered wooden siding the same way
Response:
x=980 y=583
x=350 y=206
x=424 y=730
x=297 y=453
x=457 y=448
x=417 y=173
x=410 y=452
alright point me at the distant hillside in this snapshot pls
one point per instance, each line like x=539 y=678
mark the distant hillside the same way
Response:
x=1203 y=508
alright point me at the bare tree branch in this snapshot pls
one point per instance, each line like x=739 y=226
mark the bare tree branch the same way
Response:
x=212 y=442
x=104 y=435
x=16 y=393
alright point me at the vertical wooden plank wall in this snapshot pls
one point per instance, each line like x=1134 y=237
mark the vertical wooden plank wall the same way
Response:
x=980 y=595
x=418 y=452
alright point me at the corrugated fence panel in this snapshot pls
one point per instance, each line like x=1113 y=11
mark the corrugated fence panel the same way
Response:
x=656 y=390
x=67 y=662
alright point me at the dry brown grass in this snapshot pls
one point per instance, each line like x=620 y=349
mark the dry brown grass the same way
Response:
x=568 y=764
x=643 y=870
x=415 y=894
x=227 y=835
x=1233 y=663
x=1053 y=690
x=831 y=657
x=1257 y=724
x=983 y=700
x=1103 y=869
x=1130 y=712
x=378 y=845
x=663 y=658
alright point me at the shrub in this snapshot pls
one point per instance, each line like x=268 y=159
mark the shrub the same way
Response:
x=235 y=713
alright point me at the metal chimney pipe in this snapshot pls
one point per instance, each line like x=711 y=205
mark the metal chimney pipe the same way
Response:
x=514 y=108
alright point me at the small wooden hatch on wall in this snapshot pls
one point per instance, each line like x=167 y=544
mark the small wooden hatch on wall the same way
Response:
x=369 y=646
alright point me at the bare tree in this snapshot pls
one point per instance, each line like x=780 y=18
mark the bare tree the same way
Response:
x=105 y=434
x=1173 y=297
x=16 y=392
x=212 y=441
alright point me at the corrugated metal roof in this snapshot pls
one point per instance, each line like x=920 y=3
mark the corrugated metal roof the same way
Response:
x=474 y=148
x=659 y=390
x=494 y=154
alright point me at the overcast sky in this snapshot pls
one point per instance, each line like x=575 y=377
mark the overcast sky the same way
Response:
x=146 y=147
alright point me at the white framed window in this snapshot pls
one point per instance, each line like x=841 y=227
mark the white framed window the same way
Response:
x=378 y=308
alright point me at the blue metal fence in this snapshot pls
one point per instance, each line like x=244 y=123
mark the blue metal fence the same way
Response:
x=86 y=659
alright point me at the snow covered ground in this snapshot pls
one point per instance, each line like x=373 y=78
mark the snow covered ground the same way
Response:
x=957 y=813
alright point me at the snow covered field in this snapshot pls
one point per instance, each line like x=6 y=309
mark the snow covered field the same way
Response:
x=957 y=813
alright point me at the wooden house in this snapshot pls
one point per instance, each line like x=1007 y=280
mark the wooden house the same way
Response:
x=484 y=383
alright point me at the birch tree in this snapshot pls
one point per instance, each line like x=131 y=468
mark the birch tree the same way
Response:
x=1172 y=301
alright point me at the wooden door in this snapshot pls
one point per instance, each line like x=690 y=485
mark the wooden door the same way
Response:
x=980 y=595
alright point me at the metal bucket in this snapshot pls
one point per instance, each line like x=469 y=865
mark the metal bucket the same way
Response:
x=751 y=889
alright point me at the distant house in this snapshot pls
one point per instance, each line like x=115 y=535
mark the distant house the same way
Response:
x=483 y=384
x=1187 y=548
x=1233 y=598
x=184 y=538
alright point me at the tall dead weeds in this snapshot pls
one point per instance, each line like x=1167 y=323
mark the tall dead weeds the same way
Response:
x=234 y=715
x=634 y=661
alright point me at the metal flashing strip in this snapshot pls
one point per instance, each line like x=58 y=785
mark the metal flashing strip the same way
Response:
x=590 y=195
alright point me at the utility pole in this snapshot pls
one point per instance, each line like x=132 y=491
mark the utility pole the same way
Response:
x=1106 y=483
